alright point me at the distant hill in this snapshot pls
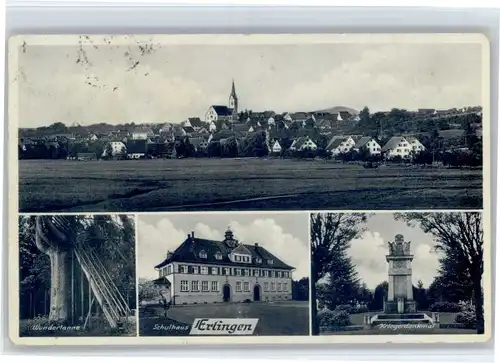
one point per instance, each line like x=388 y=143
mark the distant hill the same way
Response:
x=338 y=109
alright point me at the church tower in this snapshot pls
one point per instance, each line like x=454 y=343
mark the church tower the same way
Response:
x=233 y=102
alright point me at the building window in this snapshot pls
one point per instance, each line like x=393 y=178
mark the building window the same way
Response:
x=195 y=286
x=279 y=286
x=226 y=271
x=184 y=286
x=218 y=256
x=238 y=272
x=203 y=254
x=398 y=150
x=266 y=273
x=169 y=269
x=258 y=260
x=285 y=287
x=270 y=262
x=195 y=270
x=215 y=271
x=215 y=285
x=237 y=258
x=273 y=273
x=246 y=286
x=204 y=270
x=272 y=286
x=266 y=286
x=279 y=273
x=256 y=272
x=247 y=272
x=204 y=286
x=184 y=269
x=238 y=286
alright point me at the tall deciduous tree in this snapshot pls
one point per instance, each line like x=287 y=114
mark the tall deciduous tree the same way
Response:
x=331 y=234
x=459 y=236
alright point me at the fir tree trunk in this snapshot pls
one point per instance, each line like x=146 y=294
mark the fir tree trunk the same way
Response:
x=478 y=296
x=60 y=289
x=314 y=310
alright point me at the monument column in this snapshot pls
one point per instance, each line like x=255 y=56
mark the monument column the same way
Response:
x=399 y=260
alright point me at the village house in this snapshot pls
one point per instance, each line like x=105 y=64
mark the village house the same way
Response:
x=416 y=145
x=303 y=143
x=369 y=144
x=141 y=133
x=200 y=144
x=194 y=122
x=114 y=148
x=340 y=145
x=202 y=271
x=399 y=146
x=276 y=148
x=136 y=149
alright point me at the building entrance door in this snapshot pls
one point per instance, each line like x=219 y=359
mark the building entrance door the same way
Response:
x=256 y=293
x=226 y=293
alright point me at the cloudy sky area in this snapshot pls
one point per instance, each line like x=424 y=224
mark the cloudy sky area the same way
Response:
x=285 y=236
x=178 y=81
x=369 y=251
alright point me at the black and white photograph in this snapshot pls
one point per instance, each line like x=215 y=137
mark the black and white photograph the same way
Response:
x=403 y=273
x=249 y=123
x=223 y=274
x=77 y=276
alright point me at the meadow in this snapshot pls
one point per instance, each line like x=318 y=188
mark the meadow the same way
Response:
x=240 y=184
x=275 y=318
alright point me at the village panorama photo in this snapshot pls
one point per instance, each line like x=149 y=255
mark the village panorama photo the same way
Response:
x=264 y=122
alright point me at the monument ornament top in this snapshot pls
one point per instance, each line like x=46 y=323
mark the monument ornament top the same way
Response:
x=399 y=247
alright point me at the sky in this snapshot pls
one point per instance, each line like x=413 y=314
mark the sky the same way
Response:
x=368 y=252
x=284 y=235
x=89 y=84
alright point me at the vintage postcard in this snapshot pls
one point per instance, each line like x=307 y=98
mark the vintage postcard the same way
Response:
x=286 y=188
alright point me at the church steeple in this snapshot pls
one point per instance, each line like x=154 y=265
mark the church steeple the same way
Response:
x=233 y=100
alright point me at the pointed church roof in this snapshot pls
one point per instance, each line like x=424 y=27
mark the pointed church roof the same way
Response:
x=233 y=91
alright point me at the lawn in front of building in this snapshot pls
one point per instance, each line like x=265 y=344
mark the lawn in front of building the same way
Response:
x=275 y=318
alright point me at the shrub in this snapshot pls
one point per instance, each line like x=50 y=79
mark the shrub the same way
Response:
x=352 y=309
x=334 y=319
x=468 y=318
x=445 y=307
x=247 y=301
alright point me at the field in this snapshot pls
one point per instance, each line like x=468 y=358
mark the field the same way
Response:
x=275 y=318
x=240 y=184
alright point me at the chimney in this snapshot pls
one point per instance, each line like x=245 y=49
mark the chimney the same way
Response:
x=256 y=245
x=192 y=234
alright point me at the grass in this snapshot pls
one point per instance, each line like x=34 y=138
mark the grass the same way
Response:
x=239 y=184
x=275 y=318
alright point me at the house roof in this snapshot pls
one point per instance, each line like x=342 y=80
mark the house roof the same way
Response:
x=240 y=127
x=335 y=142
x=197 y=141
x=300 y=141
x=393 y=143
x=363 y=141
x=188 y=129
x=189 y=251
x=223 y=110
x=195 y=121
x=136 y=146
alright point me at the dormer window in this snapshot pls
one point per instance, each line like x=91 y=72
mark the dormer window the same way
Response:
x=203 y=254
x=270 y=261
x=218 y=256
x=258 y=260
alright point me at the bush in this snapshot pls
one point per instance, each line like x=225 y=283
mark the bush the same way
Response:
x=468 y=318
x=334 y=319
x=445 y=307
x=352 y=309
